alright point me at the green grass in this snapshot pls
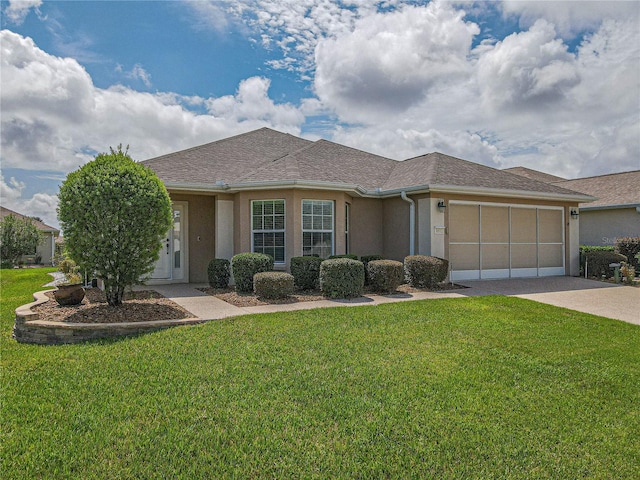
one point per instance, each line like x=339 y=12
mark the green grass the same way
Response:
x=489 y=387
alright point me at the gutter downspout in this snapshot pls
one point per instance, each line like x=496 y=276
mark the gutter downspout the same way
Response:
x=412 y=221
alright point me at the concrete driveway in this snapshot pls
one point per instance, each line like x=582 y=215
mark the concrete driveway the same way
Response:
x=589 y=296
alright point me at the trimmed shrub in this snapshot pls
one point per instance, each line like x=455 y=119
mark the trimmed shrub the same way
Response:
x=306 y=272
x=423 y=271
x=385 y=276
x=342 y=278
x=245 y=265
x=273 y=285
x=365 y=259
x=219 y=271
x=584 y=249
x=346 y=255
x=598 y=263
x=630 y=248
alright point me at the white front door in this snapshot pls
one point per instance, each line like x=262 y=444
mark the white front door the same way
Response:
x=171 y=263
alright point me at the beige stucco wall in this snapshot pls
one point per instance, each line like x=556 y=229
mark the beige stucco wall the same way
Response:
x=395 y=218
x=201 y=233
x=602 y=227
x=45 y=249
x=366 y=226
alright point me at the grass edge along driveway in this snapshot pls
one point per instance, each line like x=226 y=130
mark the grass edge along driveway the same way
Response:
x=489 y=387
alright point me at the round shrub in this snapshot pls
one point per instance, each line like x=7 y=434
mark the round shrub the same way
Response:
x=423 y=271
x=385 y=276
x=346 y=255
x=342 y=278
x=245 y=265
x=273 y=285
x=219 y=271
x=597 y=263
x=306 y=272
x=365 y=259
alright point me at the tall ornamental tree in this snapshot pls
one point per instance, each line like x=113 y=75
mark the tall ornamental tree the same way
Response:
x=114 y=213
x=18 y=236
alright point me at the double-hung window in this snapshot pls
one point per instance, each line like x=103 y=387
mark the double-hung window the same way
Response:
x=317 y=227
x=267 y=228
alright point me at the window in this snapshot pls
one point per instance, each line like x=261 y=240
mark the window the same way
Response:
x=267 y=228
x=317 y=228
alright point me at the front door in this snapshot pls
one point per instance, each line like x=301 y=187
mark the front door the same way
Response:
x=171 y=263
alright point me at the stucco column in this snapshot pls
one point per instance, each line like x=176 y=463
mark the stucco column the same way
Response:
x=574 y=245
x=224 y=229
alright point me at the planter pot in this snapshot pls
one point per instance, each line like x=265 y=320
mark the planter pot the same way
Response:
x=69 y=294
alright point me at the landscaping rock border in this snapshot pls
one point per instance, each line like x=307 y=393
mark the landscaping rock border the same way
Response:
x=28 y=328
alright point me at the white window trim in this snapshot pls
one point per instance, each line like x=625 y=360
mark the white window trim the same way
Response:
x=283 y=230
x=312 y=230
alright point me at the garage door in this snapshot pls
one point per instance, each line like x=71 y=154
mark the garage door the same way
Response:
x=502 y=241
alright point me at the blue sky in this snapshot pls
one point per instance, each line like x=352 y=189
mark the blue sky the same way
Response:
x=549 y=85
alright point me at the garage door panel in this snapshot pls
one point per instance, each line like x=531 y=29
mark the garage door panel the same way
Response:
x=524 y=256
x=523 y=225
x=495 y=224
x=550 y=256
x=465 y=223
x=495 y=257
x=465 y=257
x=550 y=226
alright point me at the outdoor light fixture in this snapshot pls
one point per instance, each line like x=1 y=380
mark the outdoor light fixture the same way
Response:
x=574 y=213
x=441 y=205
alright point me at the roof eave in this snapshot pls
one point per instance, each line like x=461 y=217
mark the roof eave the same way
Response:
x=610 y=207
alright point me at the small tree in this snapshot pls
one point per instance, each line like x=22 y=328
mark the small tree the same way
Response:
x=17 y=237
x=114 y=213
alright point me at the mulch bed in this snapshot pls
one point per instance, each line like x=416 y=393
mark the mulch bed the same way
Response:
x=139 y=306
x=229 y=295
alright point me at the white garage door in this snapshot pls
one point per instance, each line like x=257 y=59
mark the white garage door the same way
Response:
x=501 y=241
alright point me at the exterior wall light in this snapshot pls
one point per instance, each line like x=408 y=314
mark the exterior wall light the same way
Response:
x=441 y=205
x=574 y=213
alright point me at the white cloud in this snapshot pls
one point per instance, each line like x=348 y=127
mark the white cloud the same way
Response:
x=54 y=118
x=17 y=10
x=41 y=205
x=570 y=16
x=391 y=60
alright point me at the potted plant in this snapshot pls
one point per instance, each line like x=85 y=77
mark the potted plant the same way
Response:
x=70 y=291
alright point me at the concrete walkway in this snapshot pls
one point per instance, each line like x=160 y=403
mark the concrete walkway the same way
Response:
x=589 y=296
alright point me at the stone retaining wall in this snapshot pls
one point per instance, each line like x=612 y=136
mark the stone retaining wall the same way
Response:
x=29 y=329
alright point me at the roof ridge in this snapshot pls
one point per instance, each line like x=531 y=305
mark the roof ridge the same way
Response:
x=324 y=140
x=597 y=176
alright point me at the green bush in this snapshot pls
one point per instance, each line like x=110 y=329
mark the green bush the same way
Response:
x=306 y=272
x=630 y=248
x=598 y=263
x=385 y=276
x=584 y=249
x=423 y=271
x=273 y=285
x=342 y=278
x=219 y=272
x=365 y=259
x=346 y=255
x=245 y=265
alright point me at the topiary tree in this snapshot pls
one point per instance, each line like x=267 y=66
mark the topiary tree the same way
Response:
x=18 y=237
x=114 y=213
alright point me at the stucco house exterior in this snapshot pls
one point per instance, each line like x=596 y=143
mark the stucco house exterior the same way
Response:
x=46 y=250
x=271 y=192
x=616 y=211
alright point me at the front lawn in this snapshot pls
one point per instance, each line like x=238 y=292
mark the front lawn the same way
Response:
x=488 y=387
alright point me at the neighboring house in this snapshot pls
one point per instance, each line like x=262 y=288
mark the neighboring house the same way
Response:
x=615 y=213
x=46 y=250
x=271 y=192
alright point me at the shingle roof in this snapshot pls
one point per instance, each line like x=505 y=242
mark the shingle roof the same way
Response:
x=440 y=169
x=612 y=190
x=534 y=174
x=40 y=225
x=267 y=156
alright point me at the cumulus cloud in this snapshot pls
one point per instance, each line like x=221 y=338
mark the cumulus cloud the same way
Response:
x=391 y=60
x=570 y=16
x=17 y=10
x=40 y=205
x=54 y=118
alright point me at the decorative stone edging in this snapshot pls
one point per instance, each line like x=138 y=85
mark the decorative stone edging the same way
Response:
x=29 y=329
